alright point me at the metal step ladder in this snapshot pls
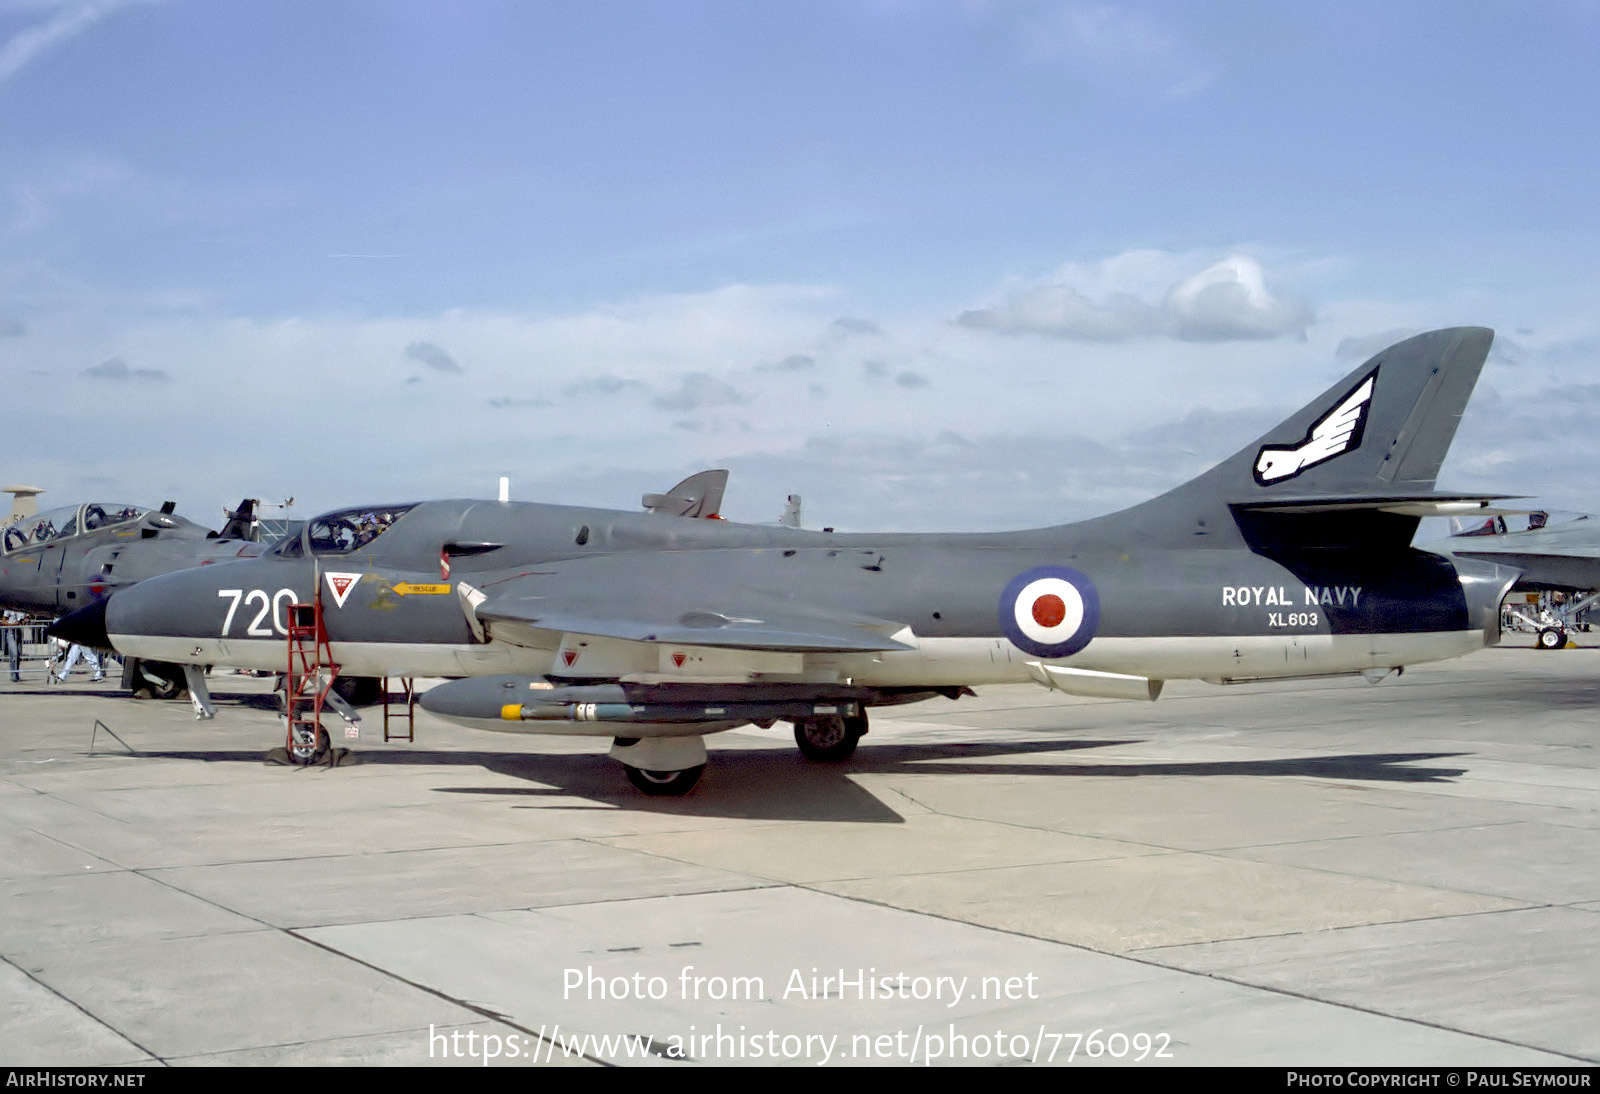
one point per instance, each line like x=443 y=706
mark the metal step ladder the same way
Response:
x=405 y=719
x=308 y=682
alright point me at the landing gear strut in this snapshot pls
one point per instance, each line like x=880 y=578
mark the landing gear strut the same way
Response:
x=829 y=738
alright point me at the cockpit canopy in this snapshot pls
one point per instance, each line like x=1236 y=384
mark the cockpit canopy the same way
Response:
x=343 y=531
x=55 y=524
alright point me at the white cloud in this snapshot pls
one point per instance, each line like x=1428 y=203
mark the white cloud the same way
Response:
x=1229 y=301
x=1142 y=294
x=940 y=425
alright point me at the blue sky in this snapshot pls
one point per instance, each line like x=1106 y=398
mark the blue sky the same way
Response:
x=957 y=264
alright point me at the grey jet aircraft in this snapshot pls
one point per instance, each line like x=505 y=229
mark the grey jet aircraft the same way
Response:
x=1292 y=558
x=1556 y=556
x=64 y=559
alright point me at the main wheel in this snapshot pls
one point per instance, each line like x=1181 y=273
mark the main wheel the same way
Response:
x=829 y=738
x=664 y=784
x=306 y=749
x=1552 y=638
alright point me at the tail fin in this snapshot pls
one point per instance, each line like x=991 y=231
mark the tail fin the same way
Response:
x=242 y=522
x=699 y=495
x=1355 y=467
x=22 y=502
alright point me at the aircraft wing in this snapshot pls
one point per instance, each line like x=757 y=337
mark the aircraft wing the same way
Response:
x=1564 y=555
x=1573 y=567
x=728 y=599
x=1513 y=556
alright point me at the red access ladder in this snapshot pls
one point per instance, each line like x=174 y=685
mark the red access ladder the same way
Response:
x=404 y=720
x=309 y=678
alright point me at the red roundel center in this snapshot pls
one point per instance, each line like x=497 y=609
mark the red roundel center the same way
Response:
x=1049 y=610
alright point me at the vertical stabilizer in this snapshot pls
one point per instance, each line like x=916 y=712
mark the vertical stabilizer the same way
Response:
x=23 y=503
x=1335 y=472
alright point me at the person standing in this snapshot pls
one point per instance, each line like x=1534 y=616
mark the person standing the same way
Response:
x=13 y=621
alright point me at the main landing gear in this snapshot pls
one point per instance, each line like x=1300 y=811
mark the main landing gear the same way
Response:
x=669 y=767
x=1552 y=638
x=829 y=738
x=663 y=767
x=665 y=784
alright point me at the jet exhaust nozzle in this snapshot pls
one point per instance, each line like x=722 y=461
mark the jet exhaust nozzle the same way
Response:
x=1484 y=585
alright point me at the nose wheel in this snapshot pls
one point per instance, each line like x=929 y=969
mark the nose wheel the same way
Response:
x=308 y=747
x=829 y=738
x=1552 y=638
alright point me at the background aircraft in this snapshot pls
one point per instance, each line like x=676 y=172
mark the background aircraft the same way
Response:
x=60 y=560
x=1290 y=559
x=24 y=502
x=1553 y=556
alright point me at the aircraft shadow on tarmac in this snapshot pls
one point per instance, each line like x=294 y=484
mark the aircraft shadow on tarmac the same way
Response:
x=777 y=784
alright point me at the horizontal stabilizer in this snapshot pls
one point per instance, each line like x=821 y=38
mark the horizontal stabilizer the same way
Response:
x=1410 y=505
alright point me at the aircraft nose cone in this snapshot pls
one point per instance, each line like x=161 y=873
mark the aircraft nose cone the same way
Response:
x=86 y=627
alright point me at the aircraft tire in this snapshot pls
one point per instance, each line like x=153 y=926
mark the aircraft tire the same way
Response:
x=1552 y=638
x=306 y=753
x=829 y=738
x=664 y=784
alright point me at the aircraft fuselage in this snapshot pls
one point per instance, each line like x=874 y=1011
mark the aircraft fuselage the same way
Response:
x=1223 y=613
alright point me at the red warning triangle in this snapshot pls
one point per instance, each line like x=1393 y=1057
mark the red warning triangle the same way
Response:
x=340 y=585
x=569 y=656
x=678 y=659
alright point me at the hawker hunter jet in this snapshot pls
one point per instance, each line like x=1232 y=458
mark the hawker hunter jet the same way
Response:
x=1292 y=558
x=64 y=559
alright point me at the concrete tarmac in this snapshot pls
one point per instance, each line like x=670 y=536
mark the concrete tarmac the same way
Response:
x=1324 y=873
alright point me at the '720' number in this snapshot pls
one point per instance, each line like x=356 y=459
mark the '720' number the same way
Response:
x=270 y=605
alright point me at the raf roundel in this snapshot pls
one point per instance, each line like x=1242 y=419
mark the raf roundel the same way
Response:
x=1050 y=611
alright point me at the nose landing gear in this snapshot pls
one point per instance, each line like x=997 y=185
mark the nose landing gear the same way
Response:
x=1552 y=638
